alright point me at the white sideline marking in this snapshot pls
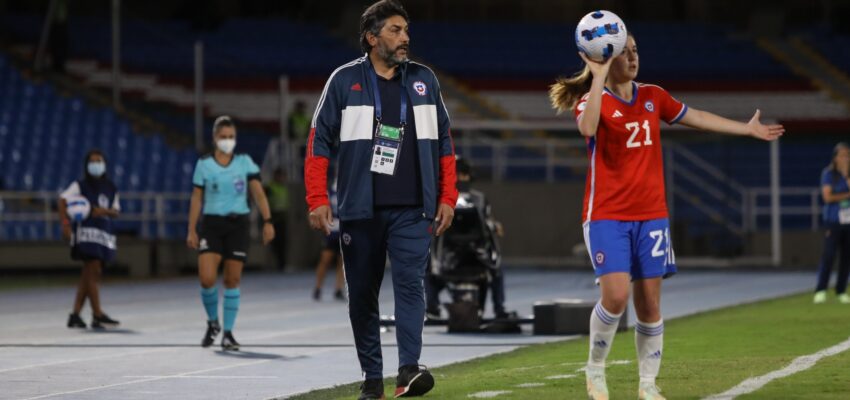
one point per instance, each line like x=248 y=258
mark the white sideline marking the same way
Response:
x=530 y=385
x=489 y=394
x=610 y=363
x=568 y=376
x=201 y=377
x=799 y=364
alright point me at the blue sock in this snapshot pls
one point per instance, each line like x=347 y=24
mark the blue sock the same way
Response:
x=231 y=307
x=209 y=296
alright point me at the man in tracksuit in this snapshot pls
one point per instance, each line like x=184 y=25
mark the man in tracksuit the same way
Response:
x=396 y=187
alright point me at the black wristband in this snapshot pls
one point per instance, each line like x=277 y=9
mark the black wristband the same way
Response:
x=267 y=221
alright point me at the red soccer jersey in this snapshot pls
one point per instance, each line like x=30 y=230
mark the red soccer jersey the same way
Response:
x=625 y=180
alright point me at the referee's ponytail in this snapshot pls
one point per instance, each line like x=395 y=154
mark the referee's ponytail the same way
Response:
x=566 y=92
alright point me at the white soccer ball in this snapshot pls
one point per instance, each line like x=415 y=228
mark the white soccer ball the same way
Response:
x=601 y=35
x=78 y=208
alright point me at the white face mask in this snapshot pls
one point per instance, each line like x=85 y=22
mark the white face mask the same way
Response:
x=226 y=145
x=96 y=168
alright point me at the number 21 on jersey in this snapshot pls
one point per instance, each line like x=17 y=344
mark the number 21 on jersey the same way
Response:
x=635 y=128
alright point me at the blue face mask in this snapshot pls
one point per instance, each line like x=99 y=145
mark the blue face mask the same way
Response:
x=96 y=168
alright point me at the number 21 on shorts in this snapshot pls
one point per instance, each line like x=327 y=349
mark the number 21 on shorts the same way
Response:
x=635 y=128
x=662 y=247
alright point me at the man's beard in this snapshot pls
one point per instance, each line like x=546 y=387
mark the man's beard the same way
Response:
x=389 y=55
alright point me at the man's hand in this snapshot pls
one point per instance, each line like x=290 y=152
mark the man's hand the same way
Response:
x=321 y=219
x=445 y=215
x=268 y=233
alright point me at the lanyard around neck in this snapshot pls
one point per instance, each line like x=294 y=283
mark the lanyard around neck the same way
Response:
x=377 y=95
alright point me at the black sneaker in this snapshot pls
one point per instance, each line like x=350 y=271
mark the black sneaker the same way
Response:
x=317 y=294
x=228 y=343
x=103 y=321
x=372 y=389
x=413 y=381
x=74 y=321
x=213 y=328
x=339 y=295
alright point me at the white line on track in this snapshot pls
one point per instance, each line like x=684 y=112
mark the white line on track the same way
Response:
x=799 y=364
x=84 y=359
x=147 y=380
x=223 y=377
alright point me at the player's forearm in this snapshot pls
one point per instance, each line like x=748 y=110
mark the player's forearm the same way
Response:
x=63 y=213
x=835 y=198
x=707 y=121
x=194 y=212
x=589 y=121
x=262 y=202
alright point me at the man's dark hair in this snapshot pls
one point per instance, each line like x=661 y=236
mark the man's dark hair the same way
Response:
x=375 y=16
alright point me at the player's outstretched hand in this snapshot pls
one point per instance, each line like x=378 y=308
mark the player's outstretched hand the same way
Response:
x=321 y=219
x=598 y=69
x=764 y=132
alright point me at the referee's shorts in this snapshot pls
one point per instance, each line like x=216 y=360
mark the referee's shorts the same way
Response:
x=225 y=235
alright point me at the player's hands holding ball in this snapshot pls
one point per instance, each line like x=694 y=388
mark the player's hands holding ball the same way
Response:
x=598 y=69
x=764 y=132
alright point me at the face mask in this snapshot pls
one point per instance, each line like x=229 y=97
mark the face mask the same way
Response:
x=226 y=145
x=96 y=168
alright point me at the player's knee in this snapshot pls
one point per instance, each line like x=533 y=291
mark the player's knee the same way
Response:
x=231 y=282
x=616 y=303
x=648 y=311
x=207 y=282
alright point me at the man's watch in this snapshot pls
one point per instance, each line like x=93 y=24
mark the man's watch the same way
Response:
x=267 y=221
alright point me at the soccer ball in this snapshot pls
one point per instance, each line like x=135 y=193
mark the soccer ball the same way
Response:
x=78 y=208
x=601 y=35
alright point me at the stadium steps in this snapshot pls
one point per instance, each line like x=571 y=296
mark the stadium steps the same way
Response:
x=807 y=63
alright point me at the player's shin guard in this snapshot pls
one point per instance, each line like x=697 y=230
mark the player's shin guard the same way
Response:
x=649 y=341
x=603 y=327
x=231 y=308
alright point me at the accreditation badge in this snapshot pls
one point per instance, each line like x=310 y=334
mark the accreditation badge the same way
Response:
x=387 y=149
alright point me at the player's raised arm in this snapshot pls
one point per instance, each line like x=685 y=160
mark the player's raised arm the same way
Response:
x=707 y=121
x=588 y=120
x=567 y=92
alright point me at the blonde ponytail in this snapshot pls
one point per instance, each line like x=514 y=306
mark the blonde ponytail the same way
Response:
x=566 y=92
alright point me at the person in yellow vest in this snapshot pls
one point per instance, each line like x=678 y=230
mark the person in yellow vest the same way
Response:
x=299 y=122
x=278 y=194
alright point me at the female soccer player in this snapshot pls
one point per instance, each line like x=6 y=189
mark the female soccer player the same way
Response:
x=626 y=229
x=836 y=218
x=92 y=239
x=222 y=181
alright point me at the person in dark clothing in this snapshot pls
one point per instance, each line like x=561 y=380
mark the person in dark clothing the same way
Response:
x=836 y=219
x=396 y=186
